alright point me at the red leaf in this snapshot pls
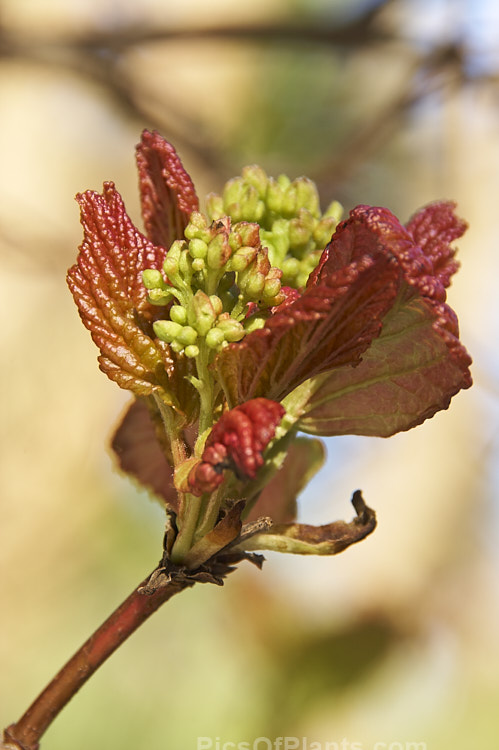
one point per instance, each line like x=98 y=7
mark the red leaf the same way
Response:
x=167 y=192
x=329 y=325
x=236 y=442
x=433 y=228
x=418 y=363
x=107 y=287
x=406 y=376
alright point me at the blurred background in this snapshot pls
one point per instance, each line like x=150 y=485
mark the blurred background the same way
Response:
x=392 y=103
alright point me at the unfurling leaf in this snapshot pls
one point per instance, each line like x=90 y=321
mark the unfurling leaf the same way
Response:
x=236 y=442
x=167 y=194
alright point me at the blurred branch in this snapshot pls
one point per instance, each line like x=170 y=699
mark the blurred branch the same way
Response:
x=100 y=57
x=438 y=70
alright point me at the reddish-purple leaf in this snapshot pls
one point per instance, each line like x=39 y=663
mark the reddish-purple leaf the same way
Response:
x=236 y=442
x=329 y=325
x=107 y=287
x=141 y=455
x=407 y=375
x=433 y=228
x=167 y=193
x=418 y=363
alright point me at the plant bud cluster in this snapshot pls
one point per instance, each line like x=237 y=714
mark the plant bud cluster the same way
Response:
x=211 y=281
x=288 y=213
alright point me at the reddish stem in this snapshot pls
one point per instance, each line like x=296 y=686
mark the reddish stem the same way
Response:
x=25 y=733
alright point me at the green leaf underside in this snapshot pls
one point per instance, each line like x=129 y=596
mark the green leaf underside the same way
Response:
x=330 y=325
x=406 y=375
x=107 y=287
x=278 y=499
x=330 y=539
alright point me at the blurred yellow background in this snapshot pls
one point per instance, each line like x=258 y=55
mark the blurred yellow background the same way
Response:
x=389 y=103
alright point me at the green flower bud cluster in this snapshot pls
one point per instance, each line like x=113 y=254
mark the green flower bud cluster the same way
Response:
x=204 y=320
x=208 y=280
x=288 y=213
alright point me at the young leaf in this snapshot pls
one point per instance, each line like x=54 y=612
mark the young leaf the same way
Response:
x=107 y=287
x=167 y=193
x=408 y=373
x=329 y=325
x=236 y=442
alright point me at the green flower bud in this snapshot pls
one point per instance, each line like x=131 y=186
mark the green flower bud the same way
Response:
x=187 y=335
x=254 y=323
x=231 y=329
x=242 y=258
x=254 y=284
x=307 y=196
x=300 y=229
x=166 y=330
x=284 y=182
x=159 y=297
x=323 y=231
x=214 y=338
x=198 y=264
x=214 y=206
x=289 y=202
x=198 y=228
x=242 y=202
x=198 y=248
x=185 y=267
x=216 y=303
x=219 y=252
x=172 y=260
x=177 y=347
x=334 y=210
x=203 y=314
x=178 y=314
x=249 y=233
x=257 y=177
x=153 y=279
x=290 y=270
x=271 y=290
x=276 y=241
x=191 y=351
x=274 y=196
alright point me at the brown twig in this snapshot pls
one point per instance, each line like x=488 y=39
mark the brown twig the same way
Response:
x=154 y=591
